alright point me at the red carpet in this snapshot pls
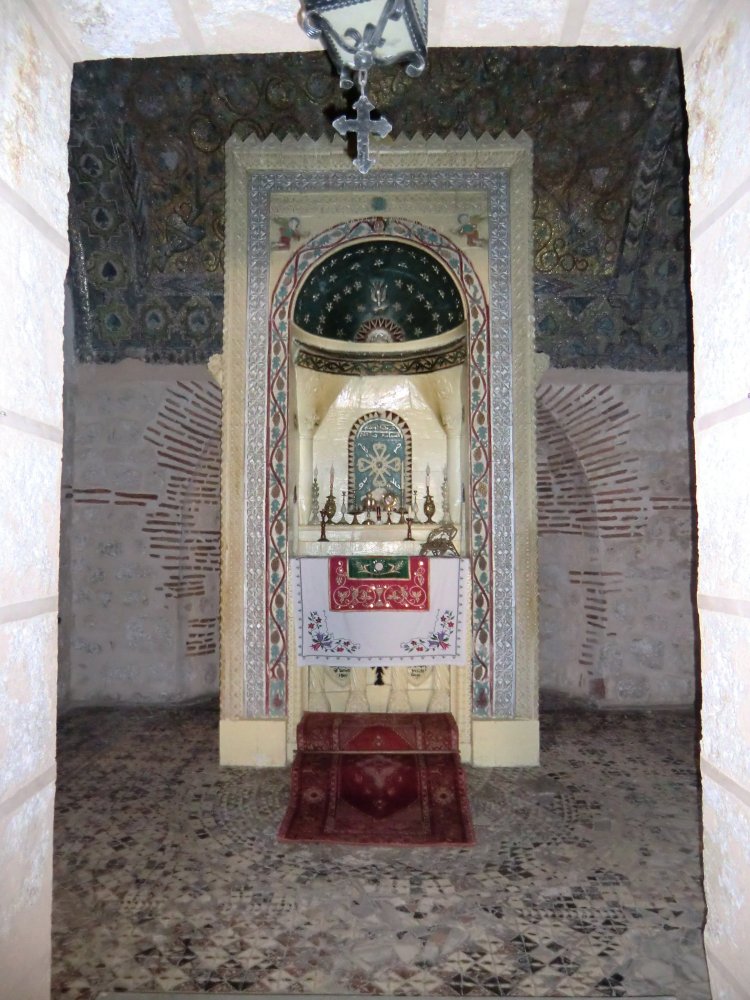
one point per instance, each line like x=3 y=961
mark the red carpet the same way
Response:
x=388 y=780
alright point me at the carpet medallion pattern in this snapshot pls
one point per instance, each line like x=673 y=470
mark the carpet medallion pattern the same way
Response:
x=378 y=780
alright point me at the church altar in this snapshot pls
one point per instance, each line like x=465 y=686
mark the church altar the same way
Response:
x=378 y=383
x=366 y=621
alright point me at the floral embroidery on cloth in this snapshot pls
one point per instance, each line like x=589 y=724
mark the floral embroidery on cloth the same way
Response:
x=380 y=636
x=440 y=638
x=322 y=640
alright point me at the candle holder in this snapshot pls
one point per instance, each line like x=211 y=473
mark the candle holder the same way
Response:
x=429 y=508
x=329 y=507
x=409 y=536
x=370 y=505
x=314 y=502
x=342 y=519
x=446 y=518
x=323 y=522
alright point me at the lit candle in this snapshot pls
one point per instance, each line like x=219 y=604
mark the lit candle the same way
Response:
x=331 y=477
x=427 y=479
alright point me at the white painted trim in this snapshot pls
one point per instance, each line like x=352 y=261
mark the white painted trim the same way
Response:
x=28 y=791
x=738 y=791
x=724 y=605
x=28 y=609
x=19 y=204
x=706 y=421
x=701 y=227
x=28 y=425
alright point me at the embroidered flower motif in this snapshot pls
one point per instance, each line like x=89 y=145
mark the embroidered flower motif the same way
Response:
x=322 y=640
x=440 y=639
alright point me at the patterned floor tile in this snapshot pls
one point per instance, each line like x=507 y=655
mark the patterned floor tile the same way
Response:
x=586 y=878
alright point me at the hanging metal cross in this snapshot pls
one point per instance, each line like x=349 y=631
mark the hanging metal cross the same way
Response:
x=363 y=126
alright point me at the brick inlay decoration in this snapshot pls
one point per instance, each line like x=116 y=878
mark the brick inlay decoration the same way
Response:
x=598 y=585
x=181 y=521
x=183 y=526
x=592 y=484
x=588 y=479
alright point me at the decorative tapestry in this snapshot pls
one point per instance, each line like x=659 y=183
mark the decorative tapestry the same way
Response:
x=388 y=583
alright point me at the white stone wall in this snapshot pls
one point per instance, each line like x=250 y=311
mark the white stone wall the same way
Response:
x=717 y=74
x=616 y=544
x=35 y=73
x=34 y=86
x=140 y=553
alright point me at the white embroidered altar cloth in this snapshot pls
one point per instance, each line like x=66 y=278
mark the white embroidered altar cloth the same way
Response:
x=374 y=638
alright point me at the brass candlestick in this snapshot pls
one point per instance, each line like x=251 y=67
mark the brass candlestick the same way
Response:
x=323 y=520
x=409 y=537
x=429 y=507
x=314 y=502
x=329 y=507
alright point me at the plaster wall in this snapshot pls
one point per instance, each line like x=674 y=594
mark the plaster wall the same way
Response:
x=141 y=500
x=717 y=73
x=616 y=527
x=35 y=78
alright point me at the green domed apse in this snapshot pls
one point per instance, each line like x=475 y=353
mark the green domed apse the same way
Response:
x=379 y=291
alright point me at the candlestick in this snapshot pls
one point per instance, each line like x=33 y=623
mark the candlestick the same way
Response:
x=342 y=519
x=429 y=507
x=314 y=499
x=444 y=497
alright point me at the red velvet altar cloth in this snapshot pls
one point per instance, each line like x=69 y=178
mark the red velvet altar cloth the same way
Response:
x=369 y=583
x=378 y=780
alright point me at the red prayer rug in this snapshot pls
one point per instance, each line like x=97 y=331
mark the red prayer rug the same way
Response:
x=378 y=780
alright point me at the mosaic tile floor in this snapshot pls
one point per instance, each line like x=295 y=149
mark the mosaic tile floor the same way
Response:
x=586 y=879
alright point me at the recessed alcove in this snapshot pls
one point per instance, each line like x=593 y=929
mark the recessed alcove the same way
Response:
x=379 y=401
x=397 y=358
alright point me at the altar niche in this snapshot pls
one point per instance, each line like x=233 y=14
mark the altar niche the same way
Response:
x=459 y=396
x=379 y=396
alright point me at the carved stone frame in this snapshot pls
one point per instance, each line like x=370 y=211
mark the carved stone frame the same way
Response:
x=508 y=731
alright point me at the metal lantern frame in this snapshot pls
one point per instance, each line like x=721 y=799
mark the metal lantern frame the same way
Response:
x=360 y=34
